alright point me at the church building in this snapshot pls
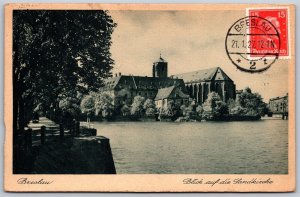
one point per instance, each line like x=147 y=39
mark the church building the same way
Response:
x=123 y=88
x=200 y=83
x=181 y=88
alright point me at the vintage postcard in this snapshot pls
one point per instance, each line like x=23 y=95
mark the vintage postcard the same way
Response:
x=150 y=97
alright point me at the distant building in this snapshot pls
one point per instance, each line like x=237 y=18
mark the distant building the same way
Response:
x=200 y=83
x=279 y=105
x=196 y=85
x=172 y=93
x=123 y=88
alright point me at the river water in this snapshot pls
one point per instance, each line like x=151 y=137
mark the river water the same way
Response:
x=254 y=147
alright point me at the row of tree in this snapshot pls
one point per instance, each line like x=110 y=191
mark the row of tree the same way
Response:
x=247 y=104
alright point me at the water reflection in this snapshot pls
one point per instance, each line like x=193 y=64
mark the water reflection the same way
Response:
x=258 y=147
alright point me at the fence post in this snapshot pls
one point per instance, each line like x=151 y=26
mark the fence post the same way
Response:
x=26 y=138
x=72 y=128
x=61 y=130
x=29 y=138
x=77 y=128
x=43 y=131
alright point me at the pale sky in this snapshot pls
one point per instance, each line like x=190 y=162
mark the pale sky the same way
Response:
x=188 y=41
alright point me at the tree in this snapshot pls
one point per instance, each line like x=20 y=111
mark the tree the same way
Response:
x=125 y=110
x=87 y=106
x=199 y=110
x=183 y=109
x=238 y=110
x=252 y=102
x=231 y=104
x=137 y=106
x=103 y=105
x=57 y=53
x=214 y=107
x=71 y=110
x=70 y=105
x=171 y=110
x=149 y=107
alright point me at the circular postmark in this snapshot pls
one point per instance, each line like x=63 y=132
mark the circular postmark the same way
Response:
x=252 y=44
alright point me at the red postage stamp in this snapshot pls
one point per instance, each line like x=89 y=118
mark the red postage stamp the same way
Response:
x=265 y=44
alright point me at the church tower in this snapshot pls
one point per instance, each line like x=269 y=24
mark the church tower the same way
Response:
x=160 y=68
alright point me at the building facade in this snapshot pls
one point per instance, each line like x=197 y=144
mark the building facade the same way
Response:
x=200 y=83
x=196 y=85
x=279 y=105
x=123 y=88
x=172 y=93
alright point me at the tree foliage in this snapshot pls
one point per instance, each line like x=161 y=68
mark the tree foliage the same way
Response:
x=137 y=107
x=104 y=105
x=57 y=53
x=251 y=103
x=70 y=106
x=231 y=103
x=87 y=104
x=149 y=107
x=199 y=110
x=170 y=110
x=125 y=109
x=214 y=107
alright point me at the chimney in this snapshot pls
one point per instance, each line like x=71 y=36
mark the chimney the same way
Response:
x=119 y=74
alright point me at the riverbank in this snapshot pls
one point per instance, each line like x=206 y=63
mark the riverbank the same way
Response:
x=224 y=118
x=67 y=154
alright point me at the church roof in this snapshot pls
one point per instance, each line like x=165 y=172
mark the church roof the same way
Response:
x=215 y=73
x=164 y=93
x=140 y=82
x=168 y=92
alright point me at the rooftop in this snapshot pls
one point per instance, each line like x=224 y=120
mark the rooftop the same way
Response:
x=209 y=74
x=164 y=93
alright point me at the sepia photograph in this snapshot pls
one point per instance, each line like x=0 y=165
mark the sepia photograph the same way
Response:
x=151 y=90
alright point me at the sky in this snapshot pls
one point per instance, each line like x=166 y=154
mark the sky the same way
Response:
x=188 y=41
